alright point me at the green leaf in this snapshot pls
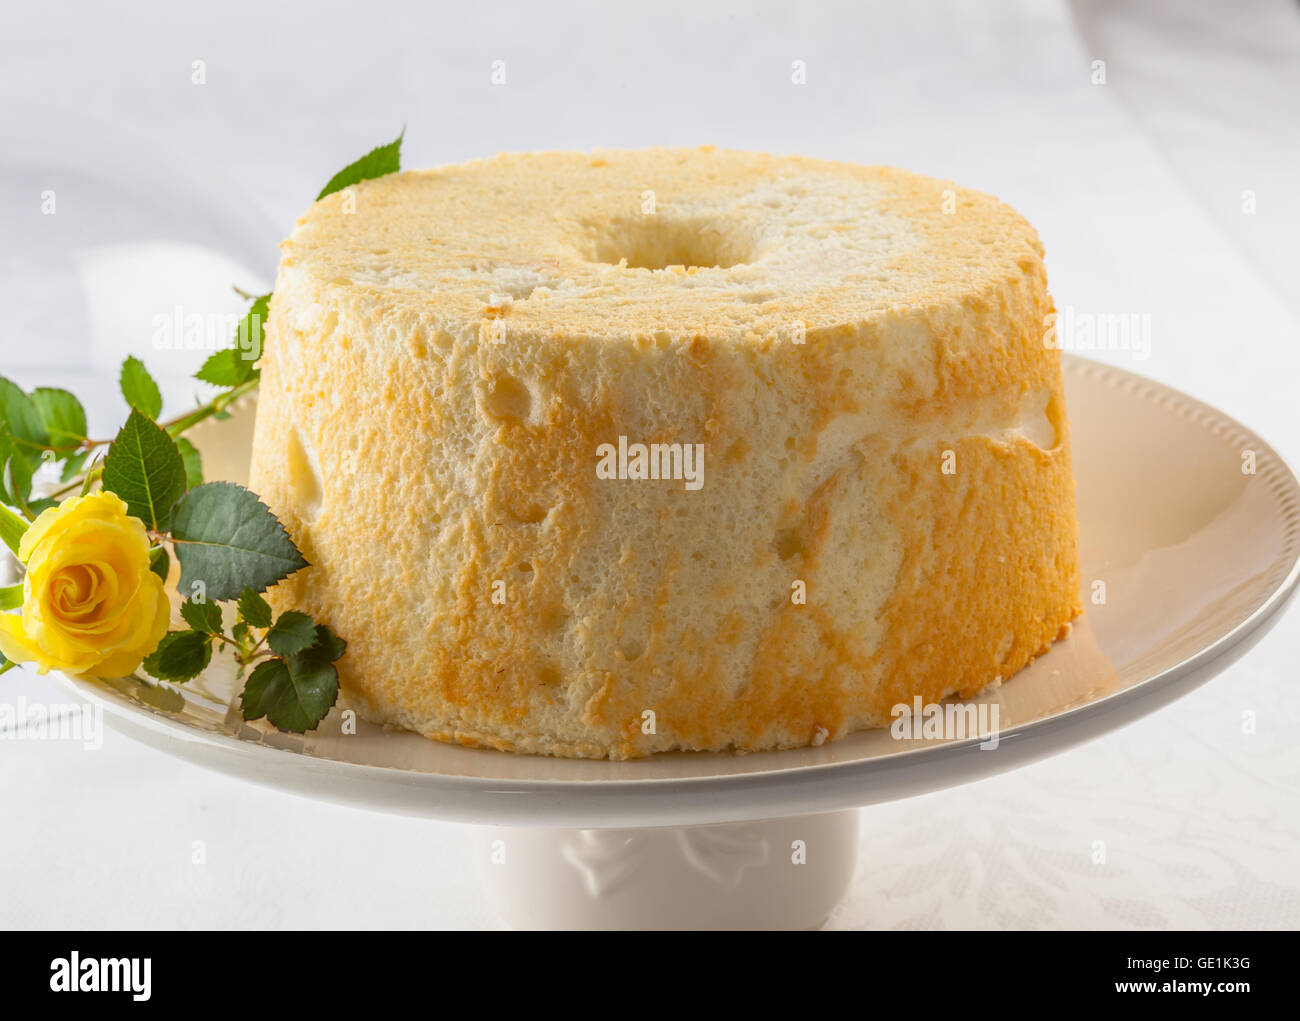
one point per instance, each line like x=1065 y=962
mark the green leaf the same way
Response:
x=11 y=597
x=329 y=643
x=15 y=473
x=240 y=631
x=179 y=656
x=238 y=364
x=202 y=616
x=387 y=159
x=20 y=419
x=73 y=465
x=89 y=479
x=293 y=632
x=44 y=503
x=250 y=337
x=228 y=539
x=138 y=387
x=293 y=693
x=146 y=470
x=192 y=461
x=254 y=609
x=63 y=417
x=160 y=563
x=220 y=368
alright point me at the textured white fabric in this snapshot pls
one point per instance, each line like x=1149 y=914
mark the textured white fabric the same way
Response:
x=1200 y=822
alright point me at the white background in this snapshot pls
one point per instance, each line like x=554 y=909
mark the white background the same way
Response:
x=1135 y=185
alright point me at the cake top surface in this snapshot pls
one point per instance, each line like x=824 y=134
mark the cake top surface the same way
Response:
x=672 y=241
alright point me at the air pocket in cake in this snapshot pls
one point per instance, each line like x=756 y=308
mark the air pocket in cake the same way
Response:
x=304 y=477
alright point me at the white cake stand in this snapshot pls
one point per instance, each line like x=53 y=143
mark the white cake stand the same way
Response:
x=1190 y=521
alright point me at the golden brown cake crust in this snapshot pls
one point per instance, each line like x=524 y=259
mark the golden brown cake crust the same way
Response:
x=449 y=348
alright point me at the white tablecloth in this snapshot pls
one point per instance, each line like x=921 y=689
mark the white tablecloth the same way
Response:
x=1136 y=186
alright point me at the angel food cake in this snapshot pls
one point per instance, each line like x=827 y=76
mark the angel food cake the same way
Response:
x=617 y=453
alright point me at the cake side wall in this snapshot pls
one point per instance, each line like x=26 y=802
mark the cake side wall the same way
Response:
x=450 y=460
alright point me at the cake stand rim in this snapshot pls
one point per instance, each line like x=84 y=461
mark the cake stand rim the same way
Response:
x=726 y=797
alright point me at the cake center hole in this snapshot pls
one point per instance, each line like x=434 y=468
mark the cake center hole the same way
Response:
x=657 y=241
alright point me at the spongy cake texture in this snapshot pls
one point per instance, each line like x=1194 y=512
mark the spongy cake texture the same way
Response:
x=886 y=507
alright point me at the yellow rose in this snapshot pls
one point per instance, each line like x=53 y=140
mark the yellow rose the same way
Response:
x=91 y=606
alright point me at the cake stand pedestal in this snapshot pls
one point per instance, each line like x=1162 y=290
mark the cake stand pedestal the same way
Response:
x=775 y=874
